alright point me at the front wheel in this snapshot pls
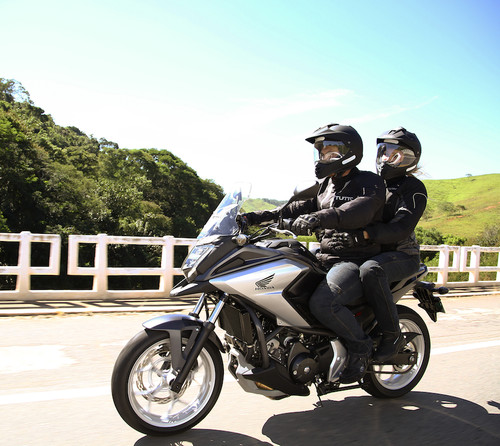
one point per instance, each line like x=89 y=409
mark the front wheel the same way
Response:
x=392 y=381
x=141 y=391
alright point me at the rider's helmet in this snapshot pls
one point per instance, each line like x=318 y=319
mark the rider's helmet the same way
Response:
x=398 y=153
x=338 y=148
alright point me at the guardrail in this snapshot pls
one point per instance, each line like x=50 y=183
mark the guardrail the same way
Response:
x=463 y=259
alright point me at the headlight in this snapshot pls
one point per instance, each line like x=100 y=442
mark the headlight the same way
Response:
x=195 y=256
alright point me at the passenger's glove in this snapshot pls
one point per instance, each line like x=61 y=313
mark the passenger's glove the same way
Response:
x=305 y=224
x=343 y=240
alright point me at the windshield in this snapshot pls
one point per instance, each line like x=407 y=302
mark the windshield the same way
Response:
x=223 y=219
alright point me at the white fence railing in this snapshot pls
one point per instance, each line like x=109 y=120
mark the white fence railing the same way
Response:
x=100 y=271
x=463 y=259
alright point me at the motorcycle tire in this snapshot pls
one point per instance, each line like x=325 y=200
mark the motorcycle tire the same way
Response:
x=397 y=380
x=141 y=392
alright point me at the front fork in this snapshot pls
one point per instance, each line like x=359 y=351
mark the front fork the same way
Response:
x=204 y=333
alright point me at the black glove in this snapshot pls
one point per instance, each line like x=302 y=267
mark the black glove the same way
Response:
x=242 y=221
x=343 y=240
x=248 y=219
x=305 y=224
x=258 y=218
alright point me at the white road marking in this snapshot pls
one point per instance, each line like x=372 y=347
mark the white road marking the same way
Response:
x=54 y=395
x=89 y=392
x=20 y=398
x=464 y=347
x=17 y=359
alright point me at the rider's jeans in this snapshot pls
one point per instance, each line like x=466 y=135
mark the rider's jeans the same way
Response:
x=341 y=287
x=376 y=276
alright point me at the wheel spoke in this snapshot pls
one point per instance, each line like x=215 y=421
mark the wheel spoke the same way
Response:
x=152 y=392
x=151 y=397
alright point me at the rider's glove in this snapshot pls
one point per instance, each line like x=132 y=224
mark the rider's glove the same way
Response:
x=259 y=218
x=343 y=240
x=249 y=218
x=242 y=220
x=305 y=224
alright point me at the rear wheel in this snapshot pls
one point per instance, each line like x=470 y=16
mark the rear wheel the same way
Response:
x=141 y=390
x=392 y=381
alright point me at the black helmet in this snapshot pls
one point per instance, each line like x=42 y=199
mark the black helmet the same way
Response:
x=398 y=152
x=346 y=145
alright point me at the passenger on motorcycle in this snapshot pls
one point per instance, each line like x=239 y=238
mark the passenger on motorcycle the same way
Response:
x=348 y=199
x=398 y=153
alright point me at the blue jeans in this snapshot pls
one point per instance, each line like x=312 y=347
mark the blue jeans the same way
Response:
x=341 y=287
x=376 y=275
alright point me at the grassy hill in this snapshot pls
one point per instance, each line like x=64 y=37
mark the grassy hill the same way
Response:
x=463 y=207
x=260 y=204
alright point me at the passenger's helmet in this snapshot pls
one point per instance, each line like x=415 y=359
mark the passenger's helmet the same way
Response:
x=398 y=153
x=346 y=149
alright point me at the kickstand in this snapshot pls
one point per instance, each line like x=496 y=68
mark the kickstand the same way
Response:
x=319 y=403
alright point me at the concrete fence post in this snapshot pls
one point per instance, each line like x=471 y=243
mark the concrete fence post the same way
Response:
x=101 y=266
x=444 y=259
x=475 y=255
x=167 y=264
x=498 y=268
x=23 y=283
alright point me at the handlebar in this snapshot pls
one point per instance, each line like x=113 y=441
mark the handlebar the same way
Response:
x=275 y=228
x=283 y=226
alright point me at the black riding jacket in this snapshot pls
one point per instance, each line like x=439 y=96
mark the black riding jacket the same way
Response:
x=343 y=204
x=405 y=203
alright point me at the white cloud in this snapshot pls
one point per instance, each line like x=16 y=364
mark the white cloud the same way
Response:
x=388 y=112
x=268 y=109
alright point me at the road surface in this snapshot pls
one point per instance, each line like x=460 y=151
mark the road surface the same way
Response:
x=55 y=373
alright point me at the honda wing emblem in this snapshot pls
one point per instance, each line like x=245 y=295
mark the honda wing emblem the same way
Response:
x=263 y=284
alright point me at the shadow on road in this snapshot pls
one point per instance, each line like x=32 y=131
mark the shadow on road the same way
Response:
x=203 y=437
x=419 y=418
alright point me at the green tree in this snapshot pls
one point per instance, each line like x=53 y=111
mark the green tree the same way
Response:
x=59 y=180
x=489 y=237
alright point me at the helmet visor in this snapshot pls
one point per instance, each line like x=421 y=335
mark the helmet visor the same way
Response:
x=394 y=155
x=329 y=151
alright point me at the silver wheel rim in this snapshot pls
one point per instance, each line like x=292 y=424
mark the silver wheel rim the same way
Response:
x=150 y=395
x=401 y=376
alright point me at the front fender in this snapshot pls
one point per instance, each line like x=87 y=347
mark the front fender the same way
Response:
x=177 y=326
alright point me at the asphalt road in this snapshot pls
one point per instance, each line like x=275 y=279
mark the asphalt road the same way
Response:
x=55 y=373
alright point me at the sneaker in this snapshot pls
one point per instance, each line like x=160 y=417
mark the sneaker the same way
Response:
x=356 y=367
x=389 y=346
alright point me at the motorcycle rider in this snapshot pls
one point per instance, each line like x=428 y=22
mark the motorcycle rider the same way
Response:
x=347 y=199
x=398 y=153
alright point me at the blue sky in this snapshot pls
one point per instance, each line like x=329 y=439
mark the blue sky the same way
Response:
x=234 y=87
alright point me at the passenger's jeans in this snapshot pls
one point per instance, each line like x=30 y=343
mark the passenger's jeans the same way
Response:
x=376 y=276
x=341 y=287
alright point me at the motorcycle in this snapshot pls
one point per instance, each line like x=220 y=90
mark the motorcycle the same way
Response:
x=256 y=287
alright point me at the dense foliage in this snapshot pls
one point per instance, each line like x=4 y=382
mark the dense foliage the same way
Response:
x=58 y=180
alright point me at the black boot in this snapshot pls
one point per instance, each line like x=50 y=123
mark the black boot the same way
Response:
x=389 y=346
x=356 y=367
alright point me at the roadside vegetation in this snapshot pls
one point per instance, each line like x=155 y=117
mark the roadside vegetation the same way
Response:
x=58 y=180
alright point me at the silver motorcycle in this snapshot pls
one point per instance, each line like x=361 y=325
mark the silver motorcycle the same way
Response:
x=256 y=287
